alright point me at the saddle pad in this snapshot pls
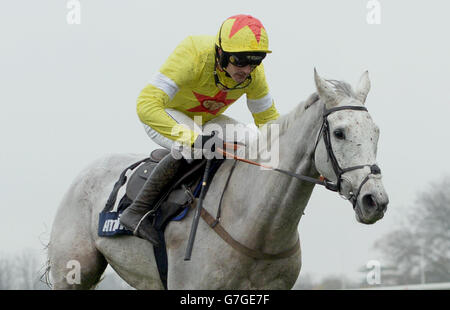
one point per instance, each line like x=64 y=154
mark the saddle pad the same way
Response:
x=109 y=225
x=109 y=222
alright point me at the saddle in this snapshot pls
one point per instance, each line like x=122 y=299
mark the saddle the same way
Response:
x=173 y=204
x=138 y=178
x=174 y=199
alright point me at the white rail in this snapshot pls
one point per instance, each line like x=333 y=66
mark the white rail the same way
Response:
x=427 y=286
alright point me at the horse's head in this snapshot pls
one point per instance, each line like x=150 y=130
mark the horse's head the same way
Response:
x=346 y=147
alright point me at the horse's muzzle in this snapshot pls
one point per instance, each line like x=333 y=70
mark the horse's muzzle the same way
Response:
x=371 y=206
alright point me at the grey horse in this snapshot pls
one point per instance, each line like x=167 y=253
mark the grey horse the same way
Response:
x=261 y=208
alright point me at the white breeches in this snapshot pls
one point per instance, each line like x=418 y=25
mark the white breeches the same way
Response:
x=228 y=129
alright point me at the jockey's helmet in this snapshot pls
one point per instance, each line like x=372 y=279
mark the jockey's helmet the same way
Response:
x=243 y=33
x=243 y=41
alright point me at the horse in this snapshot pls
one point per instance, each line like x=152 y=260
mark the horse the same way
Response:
x=329 y=137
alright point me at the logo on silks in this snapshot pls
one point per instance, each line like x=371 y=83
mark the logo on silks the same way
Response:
x=211 y=105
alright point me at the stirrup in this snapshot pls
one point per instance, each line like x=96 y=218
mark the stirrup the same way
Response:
x=140 y=221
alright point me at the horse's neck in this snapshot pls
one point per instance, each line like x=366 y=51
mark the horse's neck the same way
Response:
x=296 y=152
x=266 y=205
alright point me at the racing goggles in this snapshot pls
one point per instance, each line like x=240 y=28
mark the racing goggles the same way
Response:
x=244 y=59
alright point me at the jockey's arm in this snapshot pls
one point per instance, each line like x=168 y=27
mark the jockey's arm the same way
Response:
x=178 y=70
x=265 y=116
x=260 y=101
x=151 y=111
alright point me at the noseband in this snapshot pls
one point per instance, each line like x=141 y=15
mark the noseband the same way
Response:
x=325 y=133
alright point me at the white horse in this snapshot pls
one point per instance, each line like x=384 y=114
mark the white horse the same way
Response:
x=261 y=208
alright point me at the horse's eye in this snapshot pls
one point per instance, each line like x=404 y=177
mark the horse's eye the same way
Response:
x=339 y=133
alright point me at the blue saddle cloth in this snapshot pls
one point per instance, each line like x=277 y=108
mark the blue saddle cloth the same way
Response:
x=109 y=224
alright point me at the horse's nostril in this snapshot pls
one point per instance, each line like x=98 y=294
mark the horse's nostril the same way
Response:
x=369 y=201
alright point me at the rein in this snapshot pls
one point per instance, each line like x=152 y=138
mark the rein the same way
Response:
x=325 y=134
x=321 y=181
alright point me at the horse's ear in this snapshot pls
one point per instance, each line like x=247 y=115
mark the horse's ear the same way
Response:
x=363 y=87
x=326 y=92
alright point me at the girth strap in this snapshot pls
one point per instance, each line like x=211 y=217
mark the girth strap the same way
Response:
x=242 y=248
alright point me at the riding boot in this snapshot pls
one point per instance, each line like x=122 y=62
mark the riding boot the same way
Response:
x=136 y=217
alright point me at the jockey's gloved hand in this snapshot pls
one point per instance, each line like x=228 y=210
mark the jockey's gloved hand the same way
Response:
x=208 y=142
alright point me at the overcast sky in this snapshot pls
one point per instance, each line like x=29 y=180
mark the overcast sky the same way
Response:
x=68 y=96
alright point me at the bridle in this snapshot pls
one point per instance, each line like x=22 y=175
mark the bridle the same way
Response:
x=325 y=134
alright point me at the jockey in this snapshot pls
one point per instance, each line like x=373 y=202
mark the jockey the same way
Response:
x=198 y=82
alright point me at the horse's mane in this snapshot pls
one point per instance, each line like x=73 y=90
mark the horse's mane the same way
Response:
x=286 y=120
x=341 y=89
